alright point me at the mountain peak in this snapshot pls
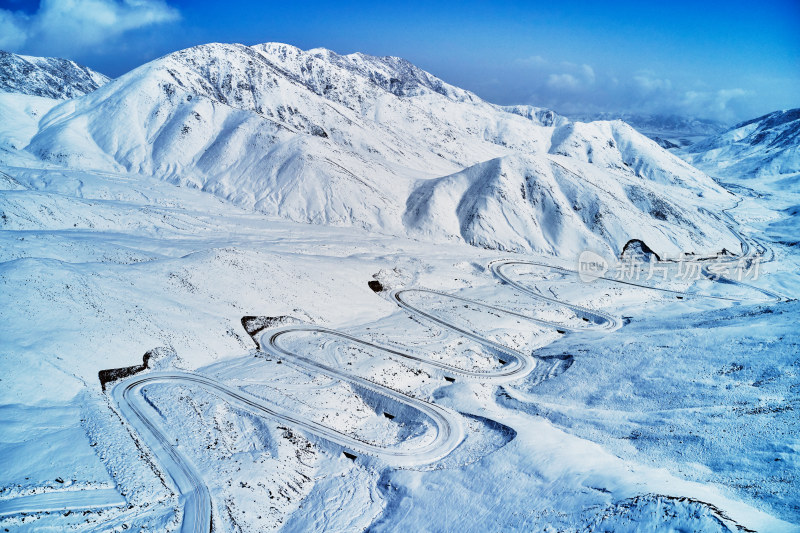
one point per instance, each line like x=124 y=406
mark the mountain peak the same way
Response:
x=393 y=74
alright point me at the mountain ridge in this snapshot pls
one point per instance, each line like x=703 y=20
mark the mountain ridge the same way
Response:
x=317 y=137
x=48 y=77
x=768 y=145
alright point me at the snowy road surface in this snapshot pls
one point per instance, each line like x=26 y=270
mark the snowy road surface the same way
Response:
x=65 y=500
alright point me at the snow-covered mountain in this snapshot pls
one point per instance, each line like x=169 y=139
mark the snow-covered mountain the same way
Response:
x=764 y=146
x=669 y=131
x=405 y=383
x=31 y=86
x=48 y=77
x=317 y=137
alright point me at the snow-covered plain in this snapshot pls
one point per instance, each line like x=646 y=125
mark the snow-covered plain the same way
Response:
x=679 y=414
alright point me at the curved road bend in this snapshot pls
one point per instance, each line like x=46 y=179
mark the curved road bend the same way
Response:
x=191 y=488
x=604 y=320
x=597 y=319
x=192 y=492
x=519 y=367
x=498 y=269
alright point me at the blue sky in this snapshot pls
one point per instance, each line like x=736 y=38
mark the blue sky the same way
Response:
x=723 y=60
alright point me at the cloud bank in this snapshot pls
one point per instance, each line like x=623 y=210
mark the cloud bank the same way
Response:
x=579 y=89
x=76 y=26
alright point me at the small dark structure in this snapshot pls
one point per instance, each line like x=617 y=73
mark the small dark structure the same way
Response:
x=638 y=247
x=349 y=455
x=375 y=285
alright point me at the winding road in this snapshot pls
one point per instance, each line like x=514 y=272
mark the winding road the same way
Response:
x=192 y=490
x=448 y=431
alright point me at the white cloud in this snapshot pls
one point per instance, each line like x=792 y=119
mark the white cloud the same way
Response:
x=64 y=27
x=563 y=81
x=722 y=102
x=572 y=88
x=648 y=83
x=577 y=77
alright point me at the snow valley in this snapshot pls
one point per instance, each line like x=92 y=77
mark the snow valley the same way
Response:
x=257 y=288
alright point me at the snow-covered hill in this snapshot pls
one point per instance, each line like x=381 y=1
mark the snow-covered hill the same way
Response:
x=669 y=131
x=765 y=146
x=48 y=77
x=19 y=118
x=31 y=86
x=317 y=137
x=556 y=205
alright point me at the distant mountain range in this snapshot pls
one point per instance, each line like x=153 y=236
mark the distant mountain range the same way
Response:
x=373 y=142
x=764 y=146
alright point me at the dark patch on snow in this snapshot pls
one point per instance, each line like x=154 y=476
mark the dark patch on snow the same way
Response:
x=375 y=285
x=113 y=374
x=656 y=508
x=665 y=143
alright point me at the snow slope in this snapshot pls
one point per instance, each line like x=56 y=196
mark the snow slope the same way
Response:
x=557 y=205
x=316 y=137
x=19 y=118
x=31 y=86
